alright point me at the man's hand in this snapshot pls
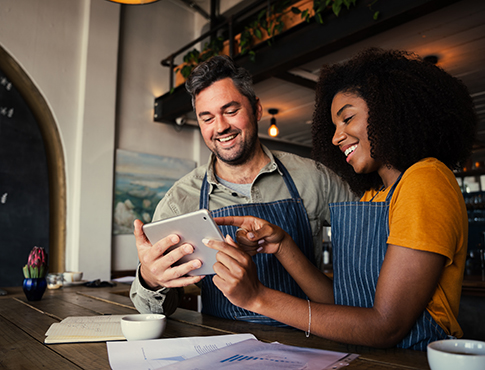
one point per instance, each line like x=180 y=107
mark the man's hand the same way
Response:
x=156 y=267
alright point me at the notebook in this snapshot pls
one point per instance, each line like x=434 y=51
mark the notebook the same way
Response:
x=77 y=329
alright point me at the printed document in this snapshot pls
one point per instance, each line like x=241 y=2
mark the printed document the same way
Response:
x=253 y=354
x=156 y=353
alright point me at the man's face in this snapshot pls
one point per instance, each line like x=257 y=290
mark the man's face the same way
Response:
x=227 y=122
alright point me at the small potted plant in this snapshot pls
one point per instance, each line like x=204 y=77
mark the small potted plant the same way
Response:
x=35 y=270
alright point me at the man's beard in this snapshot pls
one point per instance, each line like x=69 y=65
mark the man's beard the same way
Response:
x=243 y=155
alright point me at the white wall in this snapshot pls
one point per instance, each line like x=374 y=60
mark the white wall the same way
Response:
x=69 y=48
x=150 y=34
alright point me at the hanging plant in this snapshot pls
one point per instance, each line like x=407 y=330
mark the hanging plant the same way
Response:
x=194 y=57
x=266 y=25
x=268 y=21
x=322 y=6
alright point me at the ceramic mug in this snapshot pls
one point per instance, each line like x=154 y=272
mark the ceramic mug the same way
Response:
x=72 y=276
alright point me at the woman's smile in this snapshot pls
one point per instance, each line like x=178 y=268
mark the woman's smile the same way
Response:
x=349 y=150
x=349 y=115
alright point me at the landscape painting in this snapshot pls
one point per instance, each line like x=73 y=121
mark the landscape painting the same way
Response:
x=141 y=181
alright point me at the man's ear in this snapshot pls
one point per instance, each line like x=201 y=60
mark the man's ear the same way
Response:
x=259 y=110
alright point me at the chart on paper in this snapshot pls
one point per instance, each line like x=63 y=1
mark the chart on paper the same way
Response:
x=153 y=354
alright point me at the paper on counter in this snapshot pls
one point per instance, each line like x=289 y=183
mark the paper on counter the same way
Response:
x=75 y=329
x=252 y=353
x=152 y=354
x=125 y=279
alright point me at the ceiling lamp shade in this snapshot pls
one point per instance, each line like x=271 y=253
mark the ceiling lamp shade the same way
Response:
x=133 y=2
x=273 y=130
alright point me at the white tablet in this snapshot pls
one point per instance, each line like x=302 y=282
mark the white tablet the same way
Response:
x=191 y=228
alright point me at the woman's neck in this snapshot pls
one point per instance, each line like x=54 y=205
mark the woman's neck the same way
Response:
x=388 y=175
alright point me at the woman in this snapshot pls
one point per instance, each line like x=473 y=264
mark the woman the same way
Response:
x=398 y=126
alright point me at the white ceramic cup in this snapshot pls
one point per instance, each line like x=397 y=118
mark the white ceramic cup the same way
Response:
x=72 y=276
x=454 y=354
x=143 y=326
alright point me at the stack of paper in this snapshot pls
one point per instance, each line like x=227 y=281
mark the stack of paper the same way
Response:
x=237 y=351
x=85 y=329
x=153 y=354
x=252 y=353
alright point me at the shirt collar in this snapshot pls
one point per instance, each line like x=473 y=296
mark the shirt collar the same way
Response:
x=270 y=167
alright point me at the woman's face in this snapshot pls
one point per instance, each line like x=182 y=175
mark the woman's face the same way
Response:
x=349 y=115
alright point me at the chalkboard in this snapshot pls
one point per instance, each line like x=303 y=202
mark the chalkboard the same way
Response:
x=24 y=186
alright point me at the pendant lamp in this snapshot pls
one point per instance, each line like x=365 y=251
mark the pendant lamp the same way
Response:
x=273 y=130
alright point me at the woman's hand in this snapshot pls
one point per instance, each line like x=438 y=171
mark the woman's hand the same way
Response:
x=236 y=273
x=255 y=235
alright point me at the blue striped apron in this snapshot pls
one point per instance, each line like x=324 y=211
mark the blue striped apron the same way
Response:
x=359 y=244
x=289 y=214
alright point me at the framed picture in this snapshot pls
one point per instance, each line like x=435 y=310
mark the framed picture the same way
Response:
x=141 y=181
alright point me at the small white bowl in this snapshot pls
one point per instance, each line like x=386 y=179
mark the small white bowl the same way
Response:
x=143 y=326
x=72 y=276
x=453 y=354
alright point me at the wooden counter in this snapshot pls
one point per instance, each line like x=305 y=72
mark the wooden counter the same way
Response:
x=23 y=325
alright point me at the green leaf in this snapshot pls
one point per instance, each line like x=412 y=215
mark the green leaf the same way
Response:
x=376 y=15
x=34 y=272
x=295 y=10
x=336 y=7
x=319 y=18
x=25 y=269
x=279 y=27
x=192 y=56
x=320 y=8
x=187 y=70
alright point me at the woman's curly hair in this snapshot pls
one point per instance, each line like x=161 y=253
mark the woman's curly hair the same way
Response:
x=416 y=110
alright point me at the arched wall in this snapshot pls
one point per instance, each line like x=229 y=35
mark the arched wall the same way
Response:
x=54 y=154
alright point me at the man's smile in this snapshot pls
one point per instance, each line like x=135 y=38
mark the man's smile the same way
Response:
x=227 y=138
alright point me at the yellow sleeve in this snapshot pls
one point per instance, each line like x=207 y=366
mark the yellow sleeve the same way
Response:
x=427 y=211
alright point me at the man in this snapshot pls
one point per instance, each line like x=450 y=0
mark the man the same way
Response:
x=242 y=178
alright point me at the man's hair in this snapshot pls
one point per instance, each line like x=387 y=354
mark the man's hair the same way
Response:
x=218 y=68
x=416 y=110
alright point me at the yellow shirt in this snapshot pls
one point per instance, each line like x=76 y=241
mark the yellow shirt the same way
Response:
x=427 y=212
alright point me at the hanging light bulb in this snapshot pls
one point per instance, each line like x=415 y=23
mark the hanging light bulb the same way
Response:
x=273 y=130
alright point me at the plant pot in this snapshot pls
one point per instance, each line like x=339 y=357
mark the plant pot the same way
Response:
x=34 y=288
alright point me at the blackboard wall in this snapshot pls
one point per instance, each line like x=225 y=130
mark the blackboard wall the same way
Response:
x=24 y=190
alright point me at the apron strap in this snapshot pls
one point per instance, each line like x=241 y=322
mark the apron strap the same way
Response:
x=204 y=194
x=391 y=192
